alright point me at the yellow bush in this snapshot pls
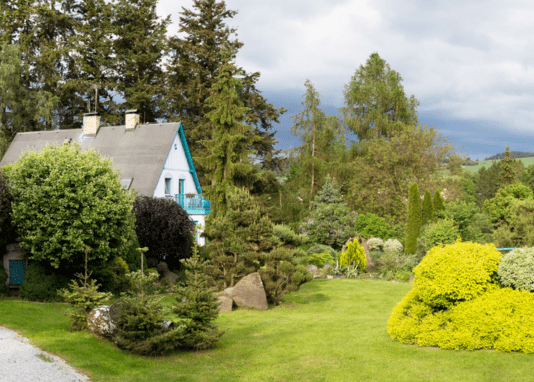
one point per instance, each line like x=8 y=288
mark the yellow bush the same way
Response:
x=457 y=272
x=354 y=255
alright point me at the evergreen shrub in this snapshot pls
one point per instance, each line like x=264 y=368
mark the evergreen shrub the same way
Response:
x=516 y=269
x=6 y=201
x=371 y=225
x=41 y=282
x=354 y=255
x=393 y=246
x=375 y=244
x=320 y=259
x=457 y=272
x=321 y=248
x=441 y=232
x=287 y=236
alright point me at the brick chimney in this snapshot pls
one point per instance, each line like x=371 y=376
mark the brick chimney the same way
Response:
x=91 y=123
x=132 y=119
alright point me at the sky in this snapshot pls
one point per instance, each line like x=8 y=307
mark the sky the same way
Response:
x=468 y=62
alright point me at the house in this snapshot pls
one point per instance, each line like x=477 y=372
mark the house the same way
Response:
x=154 y=158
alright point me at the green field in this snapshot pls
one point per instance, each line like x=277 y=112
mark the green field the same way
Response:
x=487 y=163
x=331 y=330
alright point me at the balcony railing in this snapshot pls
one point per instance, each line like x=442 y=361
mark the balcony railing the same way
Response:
x=193 y=205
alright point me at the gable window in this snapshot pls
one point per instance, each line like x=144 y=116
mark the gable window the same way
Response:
x=126 y=183
x=196 y=223
x=181 y=186
x=168 y=187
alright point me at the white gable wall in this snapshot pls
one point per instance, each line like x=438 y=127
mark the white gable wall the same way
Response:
x=176 y=168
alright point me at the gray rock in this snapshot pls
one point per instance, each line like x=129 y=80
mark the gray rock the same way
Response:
x=249 y=292
x=326 y=267
x=99 y=321
x=167 y=325
x=312 y=268
x=225 y=303
x=171 y=277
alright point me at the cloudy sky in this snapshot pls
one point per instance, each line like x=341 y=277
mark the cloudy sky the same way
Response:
x=468 y=62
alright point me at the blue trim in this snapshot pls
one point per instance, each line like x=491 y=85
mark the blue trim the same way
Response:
x=504 y=249
x=188 y=157
x=196 y=205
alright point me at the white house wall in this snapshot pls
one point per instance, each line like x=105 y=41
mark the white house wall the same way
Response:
x=176 y=168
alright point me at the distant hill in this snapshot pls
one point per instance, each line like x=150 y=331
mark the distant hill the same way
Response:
x=487 y=163
x=513 y=154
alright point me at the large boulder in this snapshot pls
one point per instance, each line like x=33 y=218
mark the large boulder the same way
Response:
x=171 y=277
x=99 y=321
x=225 y=303
x=312 y=268
x=249 y=292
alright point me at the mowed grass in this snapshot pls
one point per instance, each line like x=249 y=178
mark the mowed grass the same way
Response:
x=487 y=163
x=331 y=330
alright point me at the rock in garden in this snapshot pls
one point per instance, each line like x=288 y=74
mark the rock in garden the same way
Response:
x=225 y=303
x=249 y=292
x=312 y=268
x=167 y=325
x=171 y=277
x=99 y=321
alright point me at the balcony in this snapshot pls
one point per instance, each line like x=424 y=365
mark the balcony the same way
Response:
x=195 y=205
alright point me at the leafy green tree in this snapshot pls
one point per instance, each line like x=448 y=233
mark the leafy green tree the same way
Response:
x=193 y=69
x=6 y=201
x=139 y=47
x=498 y=208
x=165 y=228
x=427 y=212
x=237 y=239
x=230 y=146
x=375 y=102
x=383 y=175
x=413 y=226
x=67 y=200
x=371 y=225
x=518 y=229
x=441 y=232
x=464 y=215
x=438 y=203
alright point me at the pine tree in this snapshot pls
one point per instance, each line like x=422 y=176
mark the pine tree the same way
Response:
x=238 y=239
x=428 y=210
x=193 y=69
x=438 y=204
x=228 y=151
x=139 y=50
x=507 y=168
x=328 y=194
x=413 y=227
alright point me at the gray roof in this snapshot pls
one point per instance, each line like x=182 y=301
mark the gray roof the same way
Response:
x=139 y=154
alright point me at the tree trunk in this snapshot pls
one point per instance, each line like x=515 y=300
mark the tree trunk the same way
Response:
x=313 y=166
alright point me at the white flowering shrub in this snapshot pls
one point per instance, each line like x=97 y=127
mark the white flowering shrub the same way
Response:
x=516 y=269
x=375 y=244
x=393 y=246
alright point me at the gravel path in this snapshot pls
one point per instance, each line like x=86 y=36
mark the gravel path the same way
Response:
x=21 y=362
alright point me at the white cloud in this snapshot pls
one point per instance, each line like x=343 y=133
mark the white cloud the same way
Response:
x=467 y=59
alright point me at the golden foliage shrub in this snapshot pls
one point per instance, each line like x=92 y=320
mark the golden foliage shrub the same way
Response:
x=354 y=255
x=457 y=272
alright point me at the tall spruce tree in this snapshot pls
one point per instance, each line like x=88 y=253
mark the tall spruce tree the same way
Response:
x=230 y=145
x=507 y=168
x=438 y=203
x=413 y=226
x=139 y=49
x=428 y=210
x=375 y=102
x=192 y=70
x=329 y=194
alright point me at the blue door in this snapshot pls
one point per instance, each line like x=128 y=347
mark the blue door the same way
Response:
x=17 y=270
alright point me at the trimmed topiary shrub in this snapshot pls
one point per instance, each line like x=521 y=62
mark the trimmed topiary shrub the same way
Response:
x=516 y=269
x=354 y=255
x=162 y=267
x=42 y=282
x=320 y=248
x=165 y=228
x=413 y=226
x=287 y=236
x=455 y=273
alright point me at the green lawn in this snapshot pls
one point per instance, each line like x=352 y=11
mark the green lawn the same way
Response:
x=331 y=330
x=487 y=163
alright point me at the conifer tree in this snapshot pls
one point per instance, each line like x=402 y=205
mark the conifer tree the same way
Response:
x=413 y=227
x=192 y=71
x=507 y=168
x=228 y=150
x=329 y=194
x=438 y=203
x=428 y=209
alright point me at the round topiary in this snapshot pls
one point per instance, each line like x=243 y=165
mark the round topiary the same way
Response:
x=392 y=246
x=320 y=259
x=457 y=272
x=320 y=248
x=375 y=244
x=162 y=267
x=516 y=269
x=41 y=282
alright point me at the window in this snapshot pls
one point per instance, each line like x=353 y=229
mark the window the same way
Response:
x=181 y=186
x=126 y=183
x=168 y=186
